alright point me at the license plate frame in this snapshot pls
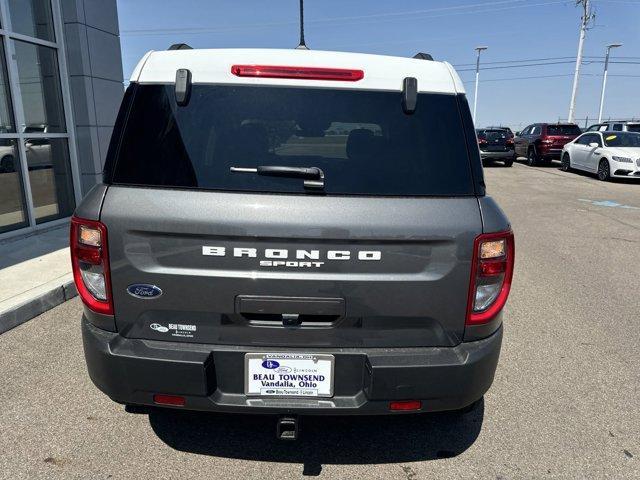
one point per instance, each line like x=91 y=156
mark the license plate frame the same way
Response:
x=297 y=363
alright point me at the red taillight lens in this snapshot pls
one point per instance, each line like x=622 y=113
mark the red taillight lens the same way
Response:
x=90 y=264
x=491 y=274
x=173 y=400
x=405 y=405
x=308 y=73
x=481 y=141
x=509 y=141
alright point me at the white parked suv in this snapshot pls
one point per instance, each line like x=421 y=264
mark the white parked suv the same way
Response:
x=615 y=126
x=607 y=154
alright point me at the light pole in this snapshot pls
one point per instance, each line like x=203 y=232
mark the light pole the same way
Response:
x=475 y=96
x=604 y=77
x=587 y=17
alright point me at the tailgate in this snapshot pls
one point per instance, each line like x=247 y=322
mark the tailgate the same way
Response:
x=559 y=141
x=496 y=142
x=290 y=270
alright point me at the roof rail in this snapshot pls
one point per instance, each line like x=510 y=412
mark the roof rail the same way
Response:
x=423 y=56
x=180 y=46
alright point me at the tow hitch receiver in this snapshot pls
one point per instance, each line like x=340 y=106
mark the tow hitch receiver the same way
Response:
x=287 y=428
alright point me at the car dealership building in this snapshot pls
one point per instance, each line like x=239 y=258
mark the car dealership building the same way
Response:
x=61 y=85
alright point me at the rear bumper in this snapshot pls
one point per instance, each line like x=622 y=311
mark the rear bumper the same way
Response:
x=211 y=377
x=549 y=152
x=509 y=154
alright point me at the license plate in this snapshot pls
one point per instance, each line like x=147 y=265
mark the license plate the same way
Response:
x=288 y=374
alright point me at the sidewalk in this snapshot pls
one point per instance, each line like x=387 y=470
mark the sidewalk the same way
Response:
x=35 y=276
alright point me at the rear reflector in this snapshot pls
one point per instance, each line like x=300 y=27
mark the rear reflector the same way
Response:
x=307 y=73
x=173 y=400
x=405 y=405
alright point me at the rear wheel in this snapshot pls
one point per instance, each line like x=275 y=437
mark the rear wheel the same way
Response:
x=532 y=157
x=566 y=163
x=7 y=164
x=509 y=162
x=604 y=173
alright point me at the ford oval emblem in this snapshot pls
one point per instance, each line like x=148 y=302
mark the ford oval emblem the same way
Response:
x=270 y=364
x=144 y=290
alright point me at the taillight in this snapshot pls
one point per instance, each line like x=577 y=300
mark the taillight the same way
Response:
x=308 y=73
x=90 y=263
x=491 y=274
x=509 y=141
x=482 y=141
x=547 y=141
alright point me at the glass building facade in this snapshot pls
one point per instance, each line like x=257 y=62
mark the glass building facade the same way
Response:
x=40 y=177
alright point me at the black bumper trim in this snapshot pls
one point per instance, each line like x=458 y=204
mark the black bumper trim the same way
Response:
x=210 y=377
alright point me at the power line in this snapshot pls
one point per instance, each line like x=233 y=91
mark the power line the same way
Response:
x=531 y=77
x=596 y=57
x=519 y=78
x=452 y=10
x=584 y=62
x=513 y=61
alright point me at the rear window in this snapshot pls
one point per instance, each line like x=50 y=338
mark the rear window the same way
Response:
x=622 y=139
x=563 y=130
x=362 y=140
x=633 y=127
x=493 y=134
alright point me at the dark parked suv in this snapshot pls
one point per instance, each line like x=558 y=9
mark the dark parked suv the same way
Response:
x=496 y=143
x=289 y=232
x=543 y=142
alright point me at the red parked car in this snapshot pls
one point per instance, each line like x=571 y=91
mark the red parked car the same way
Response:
x=543 y=142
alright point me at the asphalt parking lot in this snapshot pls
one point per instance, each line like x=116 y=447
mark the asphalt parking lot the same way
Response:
x=564 y=403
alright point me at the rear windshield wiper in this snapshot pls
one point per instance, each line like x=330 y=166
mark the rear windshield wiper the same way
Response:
x=314 y=177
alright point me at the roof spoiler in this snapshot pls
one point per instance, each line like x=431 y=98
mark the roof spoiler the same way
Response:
x=423 y=56
x=180 y=46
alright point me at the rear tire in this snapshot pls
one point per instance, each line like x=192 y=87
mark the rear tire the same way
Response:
x=566 y=163
x=509 y=163
x=7 y=164
x=604 y=173
x=532 y=158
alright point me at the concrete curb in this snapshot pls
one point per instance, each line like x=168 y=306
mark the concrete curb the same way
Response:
x=37 y=305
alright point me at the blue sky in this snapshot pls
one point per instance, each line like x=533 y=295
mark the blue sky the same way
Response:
x=449 y=30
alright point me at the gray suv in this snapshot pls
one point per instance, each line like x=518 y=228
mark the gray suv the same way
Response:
x=292 y=232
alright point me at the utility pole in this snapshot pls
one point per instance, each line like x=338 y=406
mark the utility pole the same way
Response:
x=475 y=95
x=604 y=77
x=587 y=17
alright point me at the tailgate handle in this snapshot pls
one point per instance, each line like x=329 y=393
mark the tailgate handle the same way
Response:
x=274 y=305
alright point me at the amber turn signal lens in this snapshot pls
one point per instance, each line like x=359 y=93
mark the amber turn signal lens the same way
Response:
x=492 y=249
x=90 y=236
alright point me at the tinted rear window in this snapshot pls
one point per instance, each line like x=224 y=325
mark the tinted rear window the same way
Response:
x=622 y=139
x=563 y=130
x=633 y=127
x=362 y=140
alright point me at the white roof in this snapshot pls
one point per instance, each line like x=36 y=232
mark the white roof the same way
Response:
x=380 y=72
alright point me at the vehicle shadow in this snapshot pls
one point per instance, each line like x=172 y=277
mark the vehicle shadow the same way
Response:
x=323 y=440
x=549 y=164
x=594 y=177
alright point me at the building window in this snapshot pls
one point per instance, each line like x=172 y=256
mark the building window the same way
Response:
x=40 y=90
x=13 y=210
x=32 y=18
x=50 y=178
x=7 y=124
x=36 y=180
